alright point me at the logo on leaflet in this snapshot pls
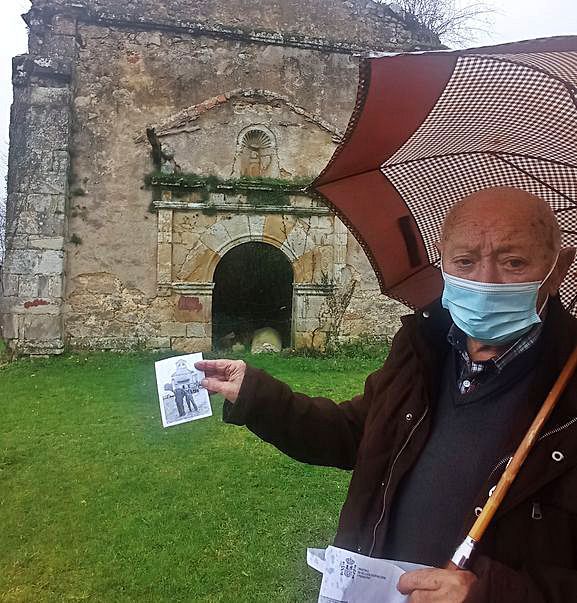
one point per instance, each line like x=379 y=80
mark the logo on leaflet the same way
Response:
x=348 y=568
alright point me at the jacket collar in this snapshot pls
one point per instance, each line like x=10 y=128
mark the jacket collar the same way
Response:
x=428 y=328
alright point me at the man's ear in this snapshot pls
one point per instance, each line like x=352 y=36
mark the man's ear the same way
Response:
x=566 y=257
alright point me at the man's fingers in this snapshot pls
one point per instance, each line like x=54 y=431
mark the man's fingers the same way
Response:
x=213 y=366
x=215 y=386
x=425 y=579
x=223 y=376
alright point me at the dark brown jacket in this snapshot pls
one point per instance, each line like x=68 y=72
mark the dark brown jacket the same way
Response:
x=529 y=554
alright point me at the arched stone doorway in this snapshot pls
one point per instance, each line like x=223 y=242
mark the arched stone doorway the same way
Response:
x=253 y=288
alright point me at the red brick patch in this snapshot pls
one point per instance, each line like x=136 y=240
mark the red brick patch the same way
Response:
x=189 y=303
x=35 y=303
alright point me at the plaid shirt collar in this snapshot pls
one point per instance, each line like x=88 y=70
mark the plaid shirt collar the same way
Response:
x=471 y=372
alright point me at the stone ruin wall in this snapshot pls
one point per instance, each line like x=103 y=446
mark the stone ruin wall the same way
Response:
x=86 y=248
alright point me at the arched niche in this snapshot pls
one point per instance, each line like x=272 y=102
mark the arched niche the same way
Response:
x=256 y=153
x=253 y=289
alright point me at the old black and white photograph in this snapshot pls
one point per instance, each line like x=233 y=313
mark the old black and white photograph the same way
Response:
x=181 y=395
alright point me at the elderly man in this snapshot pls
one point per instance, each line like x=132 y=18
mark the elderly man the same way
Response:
x=435 y=426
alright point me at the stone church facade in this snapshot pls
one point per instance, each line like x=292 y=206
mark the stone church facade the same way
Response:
x=159 y=161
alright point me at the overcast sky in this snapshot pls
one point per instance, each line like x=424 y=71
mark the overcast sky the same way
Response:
x=515 y=20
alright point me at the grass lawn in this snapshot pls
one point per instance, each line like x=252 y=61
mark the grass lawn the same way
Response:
x=99 y=503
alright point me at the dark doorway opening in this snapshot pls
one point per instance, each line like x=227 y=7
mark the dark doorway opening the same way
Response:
x=253 y=288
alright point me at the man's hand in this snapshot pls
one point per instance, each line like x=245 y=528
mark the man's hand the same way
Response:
x=436 y=585
x=223 y=376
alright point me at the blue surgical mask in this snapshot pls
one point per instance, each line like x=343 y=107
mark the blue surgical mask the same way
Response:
x=492 y=313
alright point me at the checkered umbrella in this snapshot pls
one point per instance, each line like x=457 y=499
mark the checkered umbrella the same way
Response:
x=430 y=128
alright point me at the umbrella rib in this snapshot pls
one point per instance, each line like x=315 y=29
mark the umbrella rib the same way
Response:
x=523 y=171
x=410 y=276
x=384 y=166
x=363 y=85
x=353 y=175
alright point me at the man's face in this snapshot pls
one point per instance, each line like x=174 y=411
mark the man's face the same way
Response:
x=498 y=241
x=490 y=250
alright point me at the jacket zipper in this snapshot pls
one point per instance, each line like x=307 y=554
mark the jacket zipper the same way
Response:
x=507 y=459
x=381 y=517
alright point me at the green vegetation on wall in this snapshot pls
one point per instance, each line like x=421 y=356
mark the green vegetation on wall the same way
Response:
x=258 y=191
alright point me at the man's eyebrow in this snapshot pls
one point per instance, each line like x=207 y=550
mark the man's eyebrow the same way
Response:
x=464 y=248
x=506 y=248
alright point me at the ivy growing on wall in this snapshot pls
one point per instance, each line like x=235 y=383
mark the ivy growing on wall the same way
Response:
x=258 y=191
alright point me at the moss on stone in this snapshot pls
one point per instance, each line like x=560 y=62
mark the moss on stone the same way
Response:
x=258 y=191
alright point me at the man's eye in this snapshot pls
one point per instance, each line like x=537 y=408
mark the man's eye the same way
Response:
x=515 y=263
x=463 y=262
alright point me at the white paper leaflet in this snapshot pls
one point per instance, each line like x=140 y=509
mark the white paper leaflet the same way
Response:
x=352 y=578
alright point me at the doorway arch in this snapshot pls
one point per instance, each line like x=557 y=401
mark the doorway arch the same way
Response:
x=253 y=288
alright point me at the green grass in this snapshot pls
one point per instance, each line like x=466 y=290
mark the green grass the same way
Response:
x=99 y=503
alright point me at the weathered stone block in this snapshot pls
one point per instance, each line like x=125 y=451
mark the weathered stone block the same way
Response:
x=297 y=242
x=164 y=260
x=277 y=227
x=216 y=237
x=44 y=286
x=50 y=286
x=42 y=348
x=165 y=221
x=17 y=242
x=63 y=25
x=42 y=328
x=310 y=340
x=37 y=306
x=30 y=222
x=256 y=226
x=200 y=312
x=164 y=237
x=10 y=326
x=310 y=305
x=45 y=203
x=21 y=261
x=197 y=329
x=63 y=46
x=49 y=96
x=9 y=284
x=172 y=329
x=190 y=345
x=55 y=285
x=158 y=343
x=199 y=267
x=54 y=243
x=237 y=227
x=51 y=262
x=28 y=286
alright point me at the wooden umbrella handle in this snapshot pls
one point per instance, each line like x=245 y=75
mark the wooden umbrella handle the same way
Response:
x=463 y=553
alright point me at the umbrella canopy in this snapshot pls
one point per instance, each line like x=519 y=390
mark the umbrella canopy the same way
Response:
x=430 y=128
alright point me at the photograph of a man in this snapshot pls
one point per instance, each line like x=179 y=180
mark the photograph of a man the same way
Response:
x=181 y=396
x=184 y=386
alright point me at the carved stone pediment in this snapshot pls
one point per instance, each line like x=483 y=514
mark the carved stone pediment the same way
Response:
x=246 y=133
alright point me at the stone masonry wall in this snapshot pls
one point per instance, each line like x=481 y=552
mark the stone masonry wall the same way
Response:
x=31 y=307
x=87 y=251
x=359 y=25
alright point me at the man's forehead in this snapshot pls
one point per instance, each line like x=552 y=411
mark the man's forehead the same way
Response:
x=502 y=209
x=473 y=228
